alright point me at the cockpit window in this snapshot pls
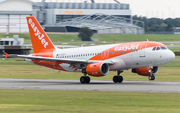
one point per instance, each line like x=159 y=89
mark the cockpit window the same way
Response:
x=158 y=48
x=163 y=48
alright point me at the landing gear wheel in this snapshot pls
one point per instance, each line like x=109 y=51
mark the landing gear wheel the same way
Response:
x=151 y=77
x=82 y=80
x=117 y=79
x=85 y=79
x=120 y=79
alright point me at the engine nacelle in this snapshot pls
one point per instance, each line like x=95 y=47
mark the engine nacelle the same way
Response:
x=97 y=69
x=144 y=71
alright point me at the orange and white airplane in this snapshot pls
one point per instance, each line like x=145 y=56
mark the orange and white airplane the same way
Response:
x=97 y=61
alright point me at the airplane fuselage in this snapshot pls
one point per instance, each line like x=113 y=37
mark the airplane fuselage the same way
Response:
x=123 y=56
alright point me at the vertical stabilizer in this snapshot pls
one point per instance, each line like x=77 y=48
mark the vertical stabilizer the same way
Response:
x=40 y=40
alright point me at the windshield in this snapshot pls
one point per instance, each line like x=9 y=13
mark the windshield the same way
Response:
x=159 y=48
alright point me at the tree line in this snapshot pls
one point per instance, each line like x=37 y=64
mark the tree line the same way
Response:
x=157 y=24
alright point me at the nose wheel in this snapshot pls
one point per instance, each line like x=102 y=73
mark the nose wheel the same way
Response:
x=118 y=78
x=152 y=77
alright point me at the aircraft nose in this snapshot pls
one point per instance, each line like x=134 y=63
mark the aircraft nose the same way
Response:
x=171 y=56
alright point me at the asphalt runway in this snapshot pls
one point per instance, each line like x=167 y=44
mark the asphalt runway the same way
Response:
x=126 y=86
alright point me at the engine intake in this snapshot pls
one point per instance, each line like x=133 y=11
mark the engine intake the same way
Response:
x=97 y=69
x=144 y=71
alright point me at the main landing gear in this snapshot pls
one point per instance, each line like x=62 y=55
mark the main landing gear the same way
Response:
x=118 y=78
x=85 y=79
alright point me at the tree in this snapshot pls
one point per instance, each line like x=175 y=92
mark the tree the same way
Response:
x=157 y=24
x=85 y=34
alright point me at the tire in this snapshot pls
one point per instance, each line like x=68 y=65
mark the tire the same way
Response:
x=115 y=79
x=82 y=80
x=88 y=80
x=120 y=79
x=151 y=77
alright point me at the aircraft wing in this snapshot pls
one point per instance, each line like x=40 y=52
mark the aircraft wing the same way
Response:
x=63 y=59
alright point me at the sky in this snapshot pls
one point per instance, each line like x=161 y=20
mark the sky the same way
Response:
x=155 y=8
x=149 y=8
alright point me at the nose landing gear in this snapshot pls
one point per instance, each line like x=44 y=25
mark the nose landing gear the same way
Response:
x=152 y=77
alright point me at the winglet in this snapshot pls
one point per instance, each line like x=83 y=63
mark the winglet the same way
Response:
x=6 y=55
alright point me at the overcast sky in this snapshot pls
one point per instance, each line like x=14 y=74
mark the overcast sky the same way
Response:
x=155 y=8
x=149 y=8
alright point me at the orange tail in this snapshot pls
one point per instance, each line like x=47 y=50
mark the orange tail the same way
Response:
x=40 y=40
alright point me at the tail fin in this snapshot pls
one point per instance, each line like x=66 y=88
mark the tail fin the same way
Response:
x=39 y=39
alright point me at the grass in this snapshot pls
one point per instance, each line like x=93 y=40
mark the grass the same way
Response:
x=17 y=68
x=104 y=37
x=60 y=39
x=45 y=101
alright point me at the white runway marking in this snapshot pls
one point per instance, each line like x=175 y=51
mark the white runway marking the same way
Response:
x=126 y=86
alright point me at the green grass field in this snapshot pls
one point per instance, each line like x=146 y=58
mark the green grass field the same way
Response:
x=50 y=101
x=59 y=39
x=104 y=37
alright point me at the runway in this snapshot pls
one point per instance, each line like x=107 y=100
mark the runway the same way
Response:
x=126 y=86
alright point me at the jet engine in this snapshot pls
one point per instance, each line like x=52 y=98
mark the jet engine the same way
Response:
x=97 y=69
x=144 y=71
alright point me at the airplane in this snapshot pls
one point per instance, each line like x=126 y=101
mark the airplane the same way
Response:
x=97 y=61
